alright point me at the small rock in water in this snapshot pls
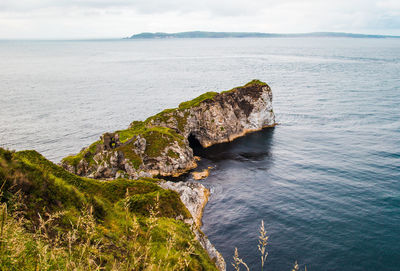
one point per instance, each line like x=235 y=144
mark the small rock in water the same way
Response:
x=201 y=174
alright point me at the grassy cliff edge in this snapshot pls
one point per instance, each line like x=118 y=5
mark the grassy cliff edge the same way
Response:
x=54 y=220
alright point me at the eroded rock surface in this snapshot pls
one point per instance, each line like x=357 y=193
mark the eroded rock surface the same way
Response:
x=160 y=145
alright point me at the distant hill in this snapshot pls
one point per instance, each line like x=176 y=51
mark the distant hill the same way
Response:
x=204 y=34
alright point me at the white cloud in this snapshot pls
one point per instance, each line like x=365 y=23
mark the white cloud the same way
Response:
x=119 y=18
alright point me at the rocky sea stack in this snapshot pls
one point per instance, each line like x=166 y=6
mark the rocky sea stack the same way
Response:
x=161 y=145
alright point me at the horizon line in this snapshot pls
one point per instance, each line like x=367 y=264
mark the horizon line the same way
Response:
x=269 y=33
x=289 y=34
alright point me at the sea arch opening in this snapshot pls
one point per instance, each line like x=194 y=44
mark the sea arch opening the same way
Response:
x=195 y=144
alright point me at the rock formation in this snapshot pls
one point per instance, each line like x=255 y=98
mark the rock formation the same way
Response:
x=215 y=118
x=161 y=144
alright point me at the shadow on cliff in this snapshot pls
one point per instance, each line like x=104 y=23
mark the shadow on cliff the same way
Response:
x=251 y=147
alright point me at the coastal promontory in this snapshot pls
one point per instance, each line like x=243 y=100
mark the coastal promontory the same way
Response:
x=162 y=144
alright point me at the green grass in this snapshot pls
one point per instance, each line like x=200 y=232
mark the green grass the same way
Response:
x=171 y=206
x=86 y=154
x=198 y=100
x=163 y=116
x=132 y=218
x=136 y=128
x=157 y=140
x=254 y=82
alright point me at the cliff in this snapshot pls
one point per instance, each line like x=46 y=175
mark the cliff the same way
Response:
x=161 y=145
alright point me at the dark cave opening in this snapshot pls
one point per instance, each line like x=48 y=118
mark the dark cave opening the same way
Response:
x=194 y=143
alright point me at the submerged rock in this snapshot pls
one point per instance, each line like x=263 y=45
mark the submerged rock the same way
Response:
x=161 y=145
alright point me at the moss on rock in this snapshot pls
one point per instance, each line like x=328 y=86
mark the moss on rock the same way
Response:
x=158 y=138
x=196 y=101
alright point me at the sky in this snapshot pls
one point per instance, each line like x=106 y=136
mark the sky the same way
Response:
x=80 y=19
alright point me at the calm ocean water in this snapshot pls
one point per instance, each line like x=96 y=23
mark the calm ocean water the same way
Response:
x=326 y=181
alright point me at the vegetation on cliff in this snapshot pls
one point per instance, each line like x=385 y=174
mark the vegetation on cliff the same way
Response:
x=54 y=220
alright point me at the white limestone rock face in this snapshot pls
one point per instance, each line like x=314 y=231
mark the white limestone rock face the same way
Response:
x=195 y=196
x=225 y=116
x=262 y=114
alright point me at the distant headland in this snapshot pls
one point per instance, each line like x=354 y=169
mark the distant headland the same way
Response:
x=205 y=34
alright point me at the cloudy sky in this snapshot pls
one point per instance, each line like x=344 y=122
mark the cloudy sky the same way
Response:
x=63 y=19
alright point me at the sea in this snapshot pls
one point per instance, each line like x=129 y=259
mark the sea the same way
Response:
x=325 y=181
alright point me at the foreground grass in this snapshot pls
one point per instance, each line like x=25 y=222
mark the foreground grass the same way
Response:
x=51 y=219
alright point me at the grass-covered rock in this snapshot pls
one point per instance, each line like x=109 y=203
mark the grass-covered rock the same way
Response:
x=160 y=144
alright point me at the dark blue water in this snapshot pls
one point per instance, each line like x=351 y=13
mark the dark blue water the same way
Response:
x=326 y=181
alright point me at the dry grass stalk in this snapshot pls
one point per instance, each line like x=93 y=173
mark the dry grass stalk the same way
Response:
x=238 y=261
x=262 y=243
x=296 y=266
